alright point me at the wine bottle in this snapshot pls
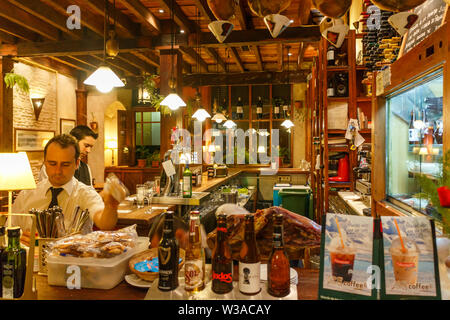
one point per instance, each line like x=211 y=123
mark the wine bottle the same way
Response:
x=278 y=267
x=194 y=268
x=331 y=55
x=330 y=87
x=187 y=182
x=249 y=260
x=276 y=110
x=285 y=111
x=413 y=132
x=239 y=109
x=14 y=263
x=222 y=262
x=168 y=255
x=259 y=108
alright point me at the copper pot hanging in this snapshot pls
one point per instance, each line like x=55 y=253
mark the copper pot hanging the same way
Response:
x=397 y=5
x=333 y=8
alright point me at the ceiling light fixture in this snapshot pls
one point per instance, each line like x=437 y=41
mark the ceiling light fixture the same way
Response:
x=173 y=100
x=104 y=79
x=229 y=124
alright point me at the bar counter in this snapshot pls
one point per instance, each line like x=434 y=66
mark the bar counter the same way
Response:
x=307 y=289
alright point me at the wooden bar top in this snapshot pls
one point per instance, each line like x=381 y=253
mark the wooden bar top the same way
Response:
x=307 y=289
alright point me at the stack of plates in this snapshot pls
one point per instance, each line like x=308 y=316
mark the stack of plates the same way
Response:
x=294 y=274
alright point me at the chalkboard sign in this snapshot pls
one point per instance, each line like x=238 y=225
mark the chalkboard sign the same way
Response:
x=430 y=13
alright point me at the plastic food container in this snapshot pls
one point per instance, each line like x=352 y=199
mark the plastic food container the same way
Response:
x=95 y=273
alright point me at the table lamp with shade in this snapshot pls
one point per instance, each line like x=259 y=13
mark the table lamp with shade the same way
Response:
x=112 y=145
x=15 y=174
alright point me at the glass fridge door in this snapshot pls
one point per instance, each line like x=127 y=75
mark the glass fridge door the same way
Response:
x=414 y=141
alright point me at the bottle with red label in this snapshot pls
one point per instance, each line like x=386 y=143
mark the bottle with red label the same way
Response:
x=222 y=263
x=194 y=268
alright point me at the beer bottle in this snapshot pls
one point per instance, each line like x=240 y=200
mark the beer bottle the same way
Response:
x=259 y=108
x=222 y=263
x=2 y=248
x=187 y=182
x=278 y=267
x=249 y=260
x=194 y=268
x=14 y=263
x=168 y=255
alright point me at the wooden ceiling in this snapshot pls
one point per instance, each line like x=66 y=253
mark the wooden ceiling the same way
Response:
x=35 y=31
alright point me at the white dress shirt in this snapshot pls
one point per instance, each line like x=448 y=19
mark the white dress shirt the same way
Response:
x=75 y=194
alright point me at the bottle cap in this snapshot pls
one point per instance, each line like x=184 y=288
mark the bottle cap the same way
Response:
x=13 y=232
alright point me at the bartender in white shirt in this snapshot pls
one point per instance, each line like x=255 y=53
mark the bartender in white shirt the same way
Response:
x=61 y=159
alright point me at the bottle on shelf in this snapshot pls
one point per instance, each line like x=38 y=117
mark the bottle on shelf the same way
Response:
x=278 y=267
x=249 y=260
x=331 y=55
x=330 y=87
x=222 y=262
x=276 y=110
x=14 y=263
x=439 y=132
x=168 y=255
x=285 y=111
x=259 y=108
x=194 y=267
x=239 y=109
x=187 y=182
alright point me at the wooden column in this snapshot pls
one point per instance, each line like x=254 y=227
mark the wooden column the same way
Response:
x=6 y=107
x=81 y=94
x=170 y=59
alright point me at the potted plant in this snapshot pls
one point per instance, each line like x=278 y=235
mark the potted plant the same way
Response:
x=142 y=153
x=11 y=79
x=154 y=158
x=155 y=98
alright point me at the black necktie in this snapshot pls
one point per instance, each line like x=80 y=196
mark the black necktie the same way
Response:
x=55 y=192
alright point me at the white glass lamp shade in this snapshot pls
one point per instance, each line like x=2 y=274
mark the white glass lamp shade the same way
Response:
x=15 y=172
x=104 y=79
x=287 y=124
x=173 y=101
x=212 y=148
x=229 y=124
x=261 y=149
x=219 y=117
x=111 y=144
x=201 y=114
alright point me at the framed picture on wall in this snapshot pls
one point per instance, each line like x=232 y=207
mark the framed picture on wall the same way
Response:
x=66 y=125
x=31 y=140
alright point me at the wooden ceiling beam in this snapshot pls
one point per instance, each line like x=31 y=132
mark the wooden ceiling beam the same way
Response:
x=48 y=15
x=16 y=30
x=217 y=59
x=237 y=59
x=147 y=56
x=239 y=38
x=73 y=63
x=203 y=7
x=28 y=21
x=257 y=54
x=6 y=37
x=119 y=64
x=136 y=62
x=267 y=77
x=190 y=52
x=95 y=62
x=144 y=15
x=178 y=16
x=77 y=47
x=124 y=24
x=51 y=65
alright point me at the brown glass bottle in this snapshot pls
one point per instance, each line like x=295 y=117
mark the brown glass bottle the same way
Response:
x=249 y=260
x=278 y=268
x=168 y=255
x=194 y=268
x=222 y=263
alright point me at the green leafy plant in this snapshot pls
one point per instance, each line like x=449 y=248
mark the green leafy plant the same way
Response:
x=142 y=152
x=11 y=79
x=155 y=156
x=429 y=186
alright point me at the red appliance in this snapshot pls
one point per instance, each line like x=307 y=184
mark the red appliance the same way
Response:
x=343 y=170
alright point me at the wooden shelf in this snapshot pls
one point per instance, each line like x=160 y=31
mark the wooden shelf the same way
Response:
x=361 y=68
x=333 y=184
x=365 y=131
x=338 y=99
x=338 y=68
x=364 y=99
x=331 y=148
x=336 y=131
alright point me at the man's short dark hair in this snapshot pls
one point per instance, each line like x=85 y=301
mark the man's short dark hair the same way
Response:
x=81 y=131
x=64 y=141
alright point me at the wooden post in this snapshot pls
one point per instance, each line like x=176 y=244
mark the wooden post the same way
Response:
x=81 y=94
x=170 y=59
x=6 y=107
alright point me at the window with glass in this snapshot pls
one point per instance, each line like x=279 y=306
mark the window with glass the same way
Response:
x=414 y=141
x=148 y=131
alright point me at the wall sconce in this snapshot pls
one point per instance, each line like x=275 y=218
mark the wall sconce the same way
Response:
x=37 y=103
x=112 y=145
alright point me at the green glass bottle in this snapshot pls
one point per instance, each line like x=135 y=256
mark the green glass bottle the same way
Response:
x=187 y=182
x=14 y=263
